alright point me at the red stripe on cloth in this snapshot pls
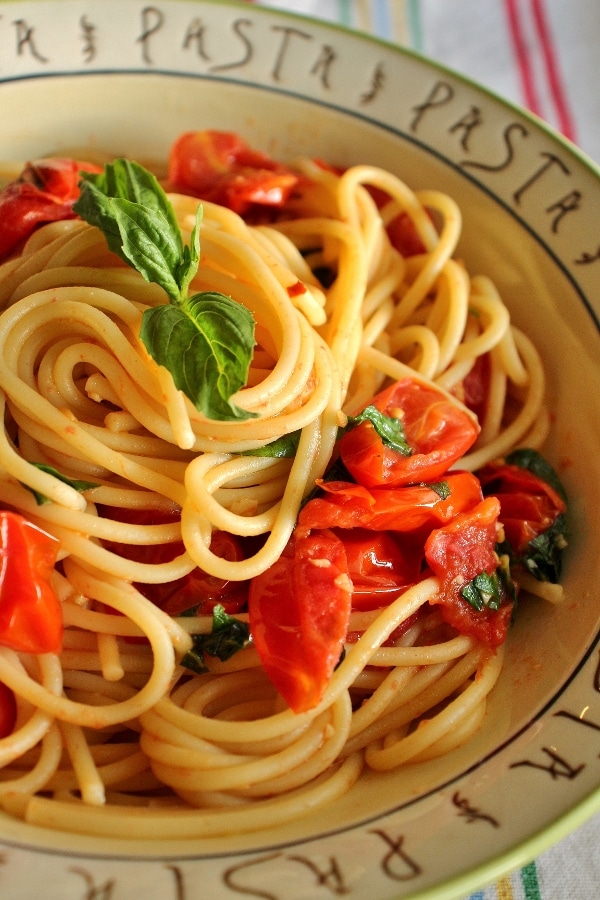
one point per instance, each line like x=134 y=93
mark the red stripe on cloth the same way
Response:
x=559 y=97
x=522 y=54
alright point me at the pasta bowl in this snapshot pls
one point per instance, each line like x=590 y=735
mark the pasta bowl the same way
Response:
x=99 y=80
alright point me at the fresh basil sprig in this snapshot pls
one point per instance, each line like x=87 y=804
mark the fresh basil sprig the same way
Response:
x=205 y=340
x=227 y=637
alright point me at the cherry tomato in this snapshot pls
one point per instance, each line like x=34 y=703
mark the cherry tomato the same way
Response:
x=219 y=166
x=529 y=505
x=44 y=192
x=438 y=431
x=381 y=565
x=30 y=612
x=457 y=553
x=299 y=612
x=8 y=710
x=405 y=509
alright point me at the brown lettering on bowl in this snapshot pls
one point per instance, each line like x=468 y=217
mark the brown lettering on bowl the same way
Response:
x=440 y=94
x=376 y=85
x=238 y=28
x=569 y=203
x=194 y=37
x=558 y=768
x=471 y=813
x=152 y=23
x=396 y=863
x=26 y=41
x=472 y=119
x=513 y=128
x=88 y=35
x=287 y=34
x=322 y=66
x=92 y=890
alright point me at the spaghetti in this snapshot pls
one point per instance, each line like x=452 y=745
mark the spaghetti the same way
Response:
x=113 y=735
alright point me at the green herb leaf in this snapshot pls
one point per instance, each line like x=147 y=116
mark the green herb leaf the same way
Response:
x=206 y=344
x=441 y=488
x=205 y=341
x=527 y=458
x=75 y=483
x=390 y=430
x=129 y=206
x=483 y=591
x=228 y=636
x=283 y=447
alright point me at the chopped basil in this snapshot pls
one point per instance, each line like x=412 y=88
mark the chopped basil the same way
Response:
x=483 y=591
x=76 y=483
x=389 y=429
x=206 y=340
x=441 y=488
x=227 y=637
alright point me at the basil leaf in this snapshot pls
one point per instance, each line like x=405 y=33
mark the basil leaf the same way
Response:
x=282 y=448
x=483 y=592
x=441 y=488
x=206 y=344
x=129 y=206
x=390 y=430
x=76 y=483
x=205 y=341
x=228 y=636
x=527 y=458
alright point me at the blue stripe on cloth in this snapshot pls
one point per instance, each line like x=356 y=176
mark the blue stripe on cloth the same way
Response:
x=382 y=20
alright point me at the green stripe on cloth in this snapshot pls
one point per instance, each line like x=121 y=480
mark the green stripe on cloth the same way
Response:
x=345 y=14
x=414 y=25
x=529 y=880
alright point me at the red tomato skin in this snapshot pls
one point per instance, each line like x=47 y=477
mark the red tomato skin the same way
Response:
x=438 y=431
x=219 y=166
x=8 y=710
x=381 y=565
x=44 y=192
x=299 y=611
x=458 y=552
x=403 y=509
x=30 y=612
x=528 y=504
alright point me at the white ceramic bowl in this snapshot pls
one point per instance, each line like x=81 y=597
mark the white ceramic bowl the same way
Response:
x=127 y=77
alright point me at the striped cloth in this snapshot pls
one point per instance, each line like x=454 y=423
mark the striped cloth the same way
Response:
x=540 y=54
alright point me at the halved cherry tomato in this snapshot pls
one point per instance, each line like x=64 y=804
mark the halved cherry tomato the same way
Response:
x=8 y=710
x=529 y=505
x=299 y=612
x=405 y=509
x=381 y=565
x=30 y=612
x=44 y=192
x=219 y=166
x=438 y=431
x=457 y=553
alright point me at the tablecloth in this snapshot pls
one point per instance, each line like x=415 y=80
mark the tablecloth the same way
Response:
x=543 y=55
